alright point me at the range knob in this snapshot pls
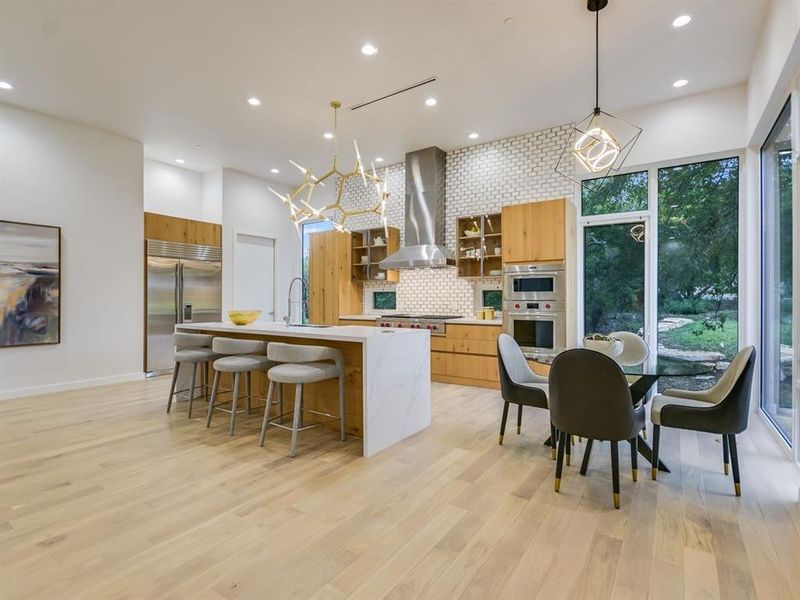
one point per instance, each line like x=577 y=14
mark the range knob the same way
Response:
x=516 y=306
x=547 y=306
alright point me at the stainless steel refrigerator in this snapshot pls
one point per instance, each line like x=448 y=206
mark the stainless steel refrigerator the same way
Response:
x=184 y=285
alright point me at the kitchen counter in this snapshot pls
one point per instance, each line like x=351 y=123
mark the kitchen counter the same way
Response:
x=472 y=321
x=387 y=376
x=358 y=317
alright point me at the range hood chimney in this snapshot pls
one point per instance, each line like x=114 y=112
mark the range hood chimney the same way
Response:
x=425 y=216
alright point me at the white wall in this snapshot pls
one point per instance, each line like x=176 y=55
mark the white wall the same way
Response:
x=690 y=126
x=249 y=207
x=90 y=184
x=212 y=196
x=179 y=192
x=774 y=66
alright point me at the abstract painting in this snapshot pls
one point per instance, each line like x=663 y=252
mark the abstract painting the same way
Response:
x=30 y=284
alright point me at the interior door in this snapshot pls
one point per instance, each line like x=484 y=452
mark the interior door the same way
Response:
x=162 y=312
x=201 y=291
x=254 y=275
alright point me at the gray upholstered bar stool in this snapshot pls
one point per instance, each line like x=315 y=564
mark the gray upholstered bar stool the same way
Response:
x=193 y=348
x=241 y=356
x=303 y=364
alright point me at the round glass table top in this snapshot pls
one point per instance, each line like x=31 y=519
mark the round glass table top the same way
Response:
x=654 y=366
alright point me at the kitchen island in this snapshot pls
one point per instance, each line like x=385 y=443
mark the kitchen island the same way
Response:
x=387 y=382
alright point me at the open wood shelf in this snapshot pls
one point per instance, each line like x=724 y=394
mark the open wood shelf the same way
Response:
x=363 y=244
x=483 y=245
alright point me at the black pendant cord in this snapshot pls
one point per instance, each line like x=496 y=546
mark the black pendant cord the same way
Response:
x=597 y=62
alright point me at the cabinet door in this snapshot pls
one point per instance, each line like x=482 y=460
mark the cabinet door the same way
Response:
x=534 y=232
x=549 y=236
x=316 y=262
x=518 y=231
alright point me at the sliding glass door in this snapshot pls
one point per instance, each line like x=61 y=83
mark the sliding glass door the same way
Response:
x=777 y=266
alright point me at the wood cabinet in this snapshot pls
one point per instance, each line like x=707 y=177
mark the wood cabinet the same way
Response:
x=367 y=254
x=477 y=253
x=467 y=355
x=331 y=290
x=534 y=232
x=186 y=231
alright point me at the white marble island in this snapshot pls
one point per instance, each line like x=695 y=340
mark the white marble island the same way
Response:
x=388 y=390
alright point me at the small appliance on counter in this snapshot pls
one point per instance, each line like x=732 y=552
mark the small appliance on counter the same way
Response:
x=534 y=307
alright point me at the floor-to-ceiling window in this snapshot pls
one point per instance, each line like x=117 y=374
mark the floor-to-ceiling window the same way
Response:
x=660 y=258
x=777 y=265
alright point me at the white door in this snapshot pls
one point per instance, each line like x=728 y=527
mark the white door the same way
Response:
x=254 y=274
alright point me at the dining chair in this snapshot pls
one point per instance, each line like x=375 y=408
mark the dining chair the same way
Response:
x=519 y=384
x=634 y=349
x=589 y=396
x=722 y=409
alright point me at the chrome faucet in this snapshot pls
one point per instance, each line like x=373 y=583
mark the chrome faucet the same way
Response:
x=302 y=302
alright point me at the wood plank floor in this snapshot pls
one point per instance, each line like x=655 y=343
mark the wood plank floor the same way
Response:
x=103 y=495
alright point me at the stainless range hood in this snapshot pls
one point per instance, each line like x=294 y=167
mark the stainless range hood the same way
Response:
x=425 y=216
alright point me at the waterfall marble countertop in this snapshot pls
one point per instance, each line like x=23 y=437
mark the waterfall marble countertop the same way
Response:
x=457 y=320
x=395 y=371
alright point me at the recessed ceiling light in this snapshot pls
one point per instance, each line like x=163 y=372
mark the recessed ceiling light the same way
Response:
x=253 y=101
x=473 y=136
x=327 y=135
x=431 y=101
x=369 y=50
x=180 y=161
x=680 y=83
x=378 y=159
x=681 y=21
x=4 y=85
x=275 y=171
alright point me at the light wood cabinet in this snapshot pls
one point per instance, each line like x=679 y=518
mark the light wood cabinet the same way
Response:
x=477 y=254
x=467 y=355
x=331 y=290
x=186 y=231
x=534 y=232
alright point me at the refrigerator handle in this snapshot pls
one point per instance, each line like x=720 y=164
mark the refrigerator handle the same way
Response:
x=176 y=294
x=180 y=291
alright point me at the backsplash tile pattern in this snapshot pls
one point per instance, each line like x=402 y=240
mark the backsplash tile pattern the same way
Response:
x=479 y=179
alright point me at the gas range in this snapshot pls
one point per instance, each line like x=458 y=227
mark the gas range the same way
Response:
x=434 y=323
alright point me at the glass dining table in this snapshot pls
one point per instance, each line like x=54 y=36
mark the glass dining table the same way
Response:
x=641 y=378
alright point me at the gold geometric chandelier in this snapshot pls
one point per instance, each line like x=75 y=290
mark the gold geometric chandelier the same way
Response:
x=336 y=213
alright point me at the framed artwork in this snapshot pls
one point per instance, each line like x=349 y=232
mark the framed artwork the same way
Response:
x=30 y=284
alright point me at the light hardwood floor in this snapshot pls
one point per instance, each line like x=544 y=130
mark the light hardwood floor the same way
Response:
x=103 y=495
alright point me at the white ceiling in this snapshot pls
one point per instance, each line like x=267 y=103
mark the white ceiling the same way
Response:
x=176 y=75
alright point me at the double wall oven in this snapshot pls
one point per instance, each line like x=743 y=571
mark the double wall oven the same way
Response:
x=534 y=306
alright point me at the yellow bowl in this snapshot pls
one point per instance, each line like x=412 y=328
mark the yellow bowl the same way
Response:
x=243 y=317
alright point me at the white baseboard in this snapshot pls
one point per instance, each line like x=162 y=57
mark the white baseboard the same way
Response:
x=69 y=385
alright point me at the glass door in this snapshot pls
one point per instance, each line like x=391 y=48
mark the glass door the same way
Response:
x=777 y=266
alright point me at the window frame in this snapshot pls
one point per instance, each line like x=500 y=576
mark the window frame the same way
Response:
x=650 y=217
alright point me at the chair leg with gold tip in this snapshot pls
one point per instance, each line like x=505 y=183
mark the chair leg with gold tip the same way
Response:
x=503 y=422
x=553 y=442
x=725 y=455
x=634 y=458
x=656 y=441
x=562 y=442
x=519 y=418
x=615 y=471
x=568 y=444
x=737 y=486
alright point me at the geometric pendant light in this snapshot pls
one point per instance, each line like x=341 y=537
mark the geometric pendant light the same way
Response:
x=600 y=142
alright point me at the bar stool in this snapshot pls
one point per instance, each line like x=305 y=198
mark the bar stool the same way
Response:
x=243 y=356
x=303 y=364
x=191 y=348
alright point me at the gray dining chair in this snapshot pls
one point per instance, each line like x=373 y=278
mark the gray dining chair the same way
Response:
x=589 y=396
x=519 y=384
x=722 y=409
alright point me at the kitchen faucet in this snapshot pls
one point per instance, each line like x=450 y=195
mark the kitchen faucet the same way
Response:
x=302 y=302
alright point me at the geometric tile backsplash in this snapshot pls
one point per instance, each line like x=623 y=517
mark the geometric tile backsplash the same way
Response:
x=479 y=179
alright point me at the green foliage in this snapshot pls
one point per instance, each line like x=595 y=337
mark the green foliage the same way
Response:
x=699 y=336
x=617 y=194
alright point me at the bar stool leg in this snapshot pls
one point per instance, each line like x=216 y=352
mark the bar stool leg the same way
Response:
x=247 y=383
x=280 y=401
x=265 y=424
x=205 y=381
x=302 y=406
x=213 y=400
x=172 y=387
x=298 y=404
x=234 y=398
x=191 y=388
x=341 y=406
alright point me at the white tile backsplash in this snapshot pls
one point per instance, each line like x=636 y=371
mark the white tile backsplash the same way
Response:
x=479 y=179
